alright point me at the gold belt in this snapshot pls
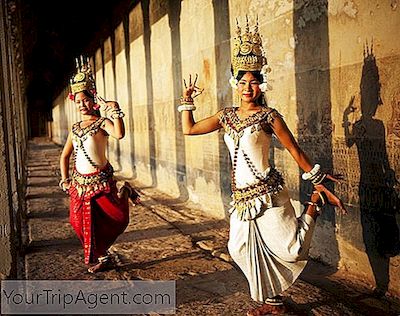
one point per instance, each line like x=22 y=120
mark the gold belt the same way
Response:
x=92 y=182
x=272 y=184
x=97 y=177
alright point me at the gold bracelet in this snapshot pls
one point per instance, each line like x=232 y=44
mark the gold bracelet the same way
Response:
x=117 y=113
x=186 y=101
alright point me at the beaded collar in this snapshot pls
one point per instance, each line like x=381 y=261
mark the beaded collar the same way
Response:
x=234 y=126
x=89 y=130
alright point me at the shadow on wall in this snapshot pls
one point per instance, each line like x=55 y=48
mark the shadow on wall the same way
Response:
x=378 y=199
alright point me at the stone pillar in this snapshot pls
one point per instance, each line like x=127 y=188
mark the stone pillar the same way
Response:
x=12 y=138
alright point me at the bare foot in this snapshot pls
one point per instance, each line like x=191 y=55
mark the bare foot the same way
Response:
x=266 y=309
x=101 y=266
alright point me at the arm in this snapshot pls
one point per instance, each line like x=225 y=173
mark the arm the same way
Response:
x=286 y=138
x=189 y=126
x=349 y=135
x=207 y=125
x=64 y=162
x=114 y=127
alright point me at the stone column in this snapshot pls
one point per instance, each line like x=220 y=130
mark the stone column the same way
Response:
x=12 y=138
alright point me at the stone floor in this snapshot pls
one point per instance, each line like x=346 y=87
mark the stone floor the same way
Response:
x=171 y=240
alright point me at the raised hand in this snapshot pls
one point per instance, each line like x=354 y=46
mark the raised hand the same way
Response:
x=350 y=108
x=107 y=105
x=192 y=88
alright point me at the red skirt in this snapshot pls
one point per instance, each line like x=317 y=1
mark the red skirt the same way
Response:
x=97 y=214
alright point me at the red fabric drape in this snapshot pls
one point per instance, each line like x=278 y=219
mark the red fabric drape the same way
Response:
x=98 y=218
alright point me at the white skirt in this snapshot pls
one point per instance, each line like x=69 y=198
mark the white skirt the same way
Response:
x=272 y=249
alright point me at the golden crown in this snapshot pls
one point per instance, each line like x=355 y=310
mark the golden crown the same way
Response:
x=247 y=53
x=83 y=79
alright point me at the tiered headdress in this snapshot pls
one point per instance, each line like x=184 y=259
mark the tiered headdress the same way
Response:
x=83 y=79
x=247 y=53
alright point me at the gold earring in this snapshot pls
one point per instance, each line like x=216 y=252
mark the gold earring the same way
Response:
x=238 y=99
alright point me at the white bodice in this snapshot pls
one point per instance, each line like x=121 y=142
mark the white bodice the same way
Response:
x=88 y=142
x=255 y=185
x=250 y=137
x=254 y=144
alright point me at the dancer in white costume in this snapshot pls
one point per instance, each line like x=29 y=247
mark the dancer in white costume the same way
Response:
x=266 y=239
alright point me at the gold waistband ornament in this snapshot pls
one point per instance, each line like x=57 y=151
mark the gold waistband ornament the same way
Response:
x=83 y=79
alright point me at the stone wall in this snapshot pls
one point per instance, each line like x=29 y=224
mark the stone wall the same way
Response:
x=13 y=135
x=335 y=79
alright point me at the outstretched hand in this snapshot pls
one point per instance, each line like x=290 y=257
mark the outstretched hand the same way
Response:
x=333 y=178
x=192 y=88
x=332 y=198
x=107 y=105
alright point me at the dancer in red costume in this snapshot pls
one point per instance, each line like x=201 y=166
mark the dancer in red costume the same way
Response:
x=98 y=212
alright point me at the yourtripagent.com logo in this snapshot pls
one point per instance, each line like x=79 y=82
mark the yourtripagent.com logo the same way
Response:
x=87 y=297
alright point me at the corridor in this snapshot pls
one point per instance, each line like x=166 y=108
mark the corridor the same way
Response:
x=330 y=68
x=169 y=240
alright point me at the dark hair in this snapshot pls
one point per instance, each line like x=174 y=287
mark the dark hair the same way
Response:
x=91 y=96
x=256 y=74
x=87 y=93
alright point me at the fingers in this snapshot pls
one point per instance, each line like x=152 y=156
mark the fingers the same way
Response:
x=198 y=92
x=66 y=187
x=342 y=208
x=340 y=205
x=192 y=86
x=337 y=178
x=331 y=178
x=107 y=105
x=332 y=198
x=101 y=99
x=352 y=101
